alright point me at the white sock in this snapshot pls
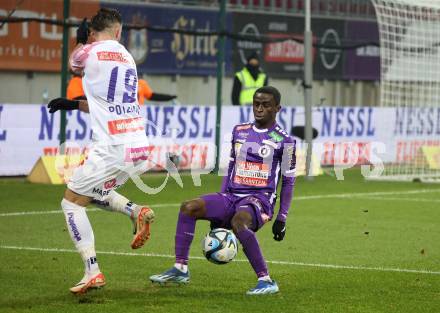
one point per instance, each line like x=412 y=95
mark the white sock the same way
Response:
x=265 y=278
x=116 y=202
x=91 y=266
x=181 y=267
x=81 y=233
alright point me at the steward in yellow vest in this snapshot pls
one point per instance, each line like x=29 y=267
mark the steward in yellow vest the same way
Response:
x=247 y=81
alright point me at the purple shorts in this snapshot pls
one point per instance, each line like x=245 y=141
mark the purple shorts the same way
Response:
x=221 y=207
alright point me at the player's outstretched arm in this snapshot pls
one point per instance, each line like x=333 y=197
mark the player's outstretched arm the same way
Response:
x=279 y=225
x=68 y=105
x=288 y=181
x=83 y=106
x=161 y=97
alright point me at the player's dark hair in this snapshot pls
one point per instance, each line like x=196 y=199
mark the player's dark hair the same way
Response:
x=271 y=91
x=105 y=18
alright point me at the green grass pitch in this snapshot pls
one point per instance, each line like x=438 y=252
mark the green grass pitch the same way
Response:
x=351 y=246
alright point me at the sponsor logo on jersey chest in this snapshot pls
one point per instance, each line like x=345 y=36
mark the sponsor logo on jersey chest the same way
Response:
x=251 y=174
x=275 y=136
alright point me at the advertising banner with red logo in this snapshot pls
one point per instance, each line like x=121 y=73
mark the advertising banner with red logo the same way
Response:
x=186 y=134
x=352 y=135
x=33 y=46
x=286 y=58
x=182 y=132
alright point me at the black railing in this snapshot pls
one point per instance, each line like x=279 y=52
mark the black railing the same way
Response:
x=362 y=9
x=340 y=8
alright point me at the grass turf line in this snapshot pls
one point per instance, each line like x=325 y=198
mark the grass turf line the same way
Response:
x=349 y=230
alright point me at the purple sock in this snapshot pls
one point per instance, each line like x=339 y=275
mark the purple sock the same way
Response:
x=184 y=236
x=253 y=252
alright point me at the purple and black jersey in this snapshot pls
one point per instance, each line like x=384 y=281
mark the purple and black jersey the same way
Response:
x=260 y=158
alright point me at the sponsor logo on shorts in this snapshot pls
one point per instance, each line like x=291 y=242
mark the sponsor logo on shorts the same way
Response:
x=103 y=193
x=73 y=227
x=259 y=206
x=110 y=183
x=111 y=56
x=127 y=125
x=136 y=154
x=256 y=202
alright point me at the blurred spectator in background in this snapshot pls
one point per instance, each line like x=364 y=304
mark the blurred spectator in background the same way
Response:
x=76 y=92
x=145 y=92
x=74 y=88
x=247 y=81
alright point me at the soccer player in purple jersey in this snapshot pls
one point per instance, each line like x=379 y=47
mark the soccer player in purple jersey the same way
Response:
x=262 y=154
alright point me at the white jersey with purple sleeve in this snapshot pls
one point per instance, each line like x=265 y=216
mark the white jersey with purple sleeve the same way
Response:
x=260 y=158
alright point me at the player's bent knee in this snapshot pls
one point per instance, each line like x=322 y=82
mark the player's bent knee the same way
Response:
x=192 y=208
x=241 y=221
x=69 y=206
x=187 y=208
x=76 y=198
x=69 y=195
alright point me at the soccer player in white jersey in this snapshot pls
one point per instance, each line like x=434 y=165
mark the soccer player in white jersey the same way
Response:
x=119 y=142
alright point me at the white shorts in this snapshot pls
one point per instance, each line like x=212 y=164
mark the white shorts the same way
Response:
x=108 y=167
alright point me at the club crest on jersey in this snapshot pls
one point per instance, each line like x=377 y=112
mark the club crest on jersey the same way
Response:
x=264 y=151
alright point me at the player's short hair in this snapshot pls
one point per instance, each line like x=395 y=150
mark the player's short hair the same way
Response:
x=271 y=91
x=105 y=18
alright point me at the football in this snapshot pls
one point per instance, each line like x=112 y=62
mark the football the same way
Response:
x=220 y=246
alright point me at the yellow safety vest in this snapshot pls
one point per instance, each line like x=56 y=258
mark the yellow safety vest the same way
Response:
x=249 y=85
